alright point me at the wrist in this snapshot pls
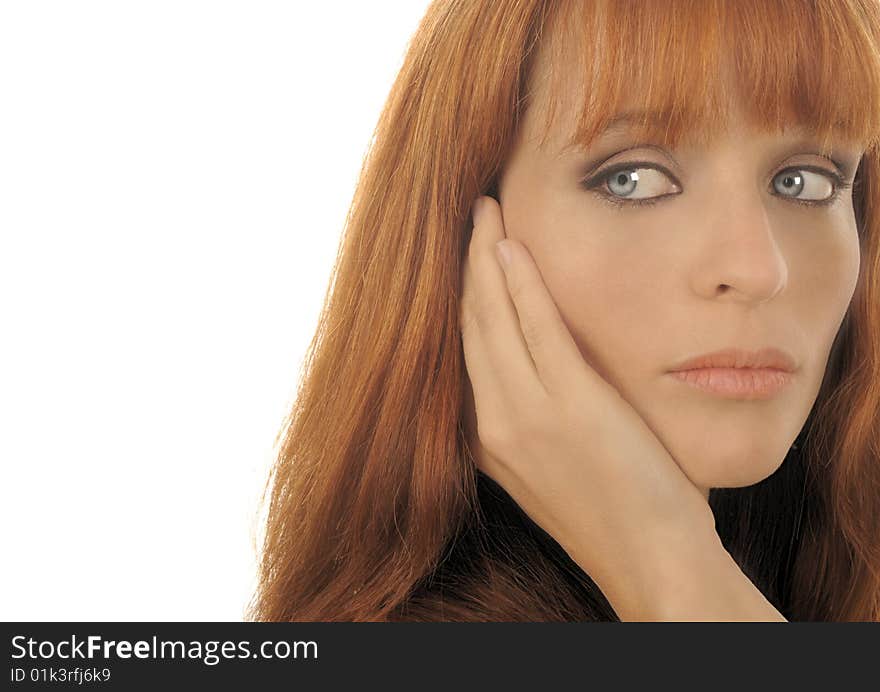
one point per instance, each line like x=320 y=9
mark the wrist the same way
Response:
x=690 y=579
x=641 y=576
x=712 y=588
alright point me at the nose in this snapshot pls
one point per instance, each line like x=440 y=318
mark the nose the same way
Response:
x=740 y=259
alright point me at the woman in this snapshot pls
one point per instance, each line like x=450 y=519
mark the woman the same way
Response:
x=669 y=179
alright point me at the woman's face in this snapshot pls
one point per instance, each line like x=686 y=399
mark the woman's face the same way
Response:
x=729 y=259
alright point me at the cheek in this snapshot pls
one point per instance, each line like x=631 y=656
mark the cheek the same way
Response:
x=606 y=299
x=849 y=266
x=826 y=277
x=832 y=245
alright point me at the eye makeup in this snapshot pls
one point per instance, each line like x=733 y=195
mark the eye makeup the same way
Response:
x=595 y=182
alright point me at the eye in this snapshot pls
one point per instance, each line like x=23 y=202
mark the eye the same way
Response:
x=633 y=183
x=640 y=183
x=822 y=186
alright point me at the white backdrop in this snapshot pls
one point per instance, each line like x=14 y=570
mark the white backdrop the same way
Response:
x=174 y=176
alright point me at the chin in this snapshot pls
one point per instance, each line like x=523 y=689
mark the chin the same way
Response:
x=734 y=468
x=728 y=463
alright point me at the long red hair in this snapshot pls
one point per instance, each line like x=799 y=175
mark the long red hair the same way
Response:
x=376 y=511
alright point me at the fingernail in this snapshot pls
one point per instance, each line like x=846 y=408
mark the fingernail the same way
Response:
x=503 y=252
x=475 y=210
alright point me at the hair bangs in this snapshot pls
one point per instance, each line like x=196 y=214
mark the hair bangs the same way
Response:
x=670 y=71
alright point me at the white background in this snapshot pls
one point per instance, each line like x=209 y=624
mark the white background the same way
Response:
x=174 y=177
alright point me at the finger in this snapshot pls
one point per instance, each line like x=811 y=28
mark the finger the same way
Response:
x=494 y=312
x=488 y=400
x=549 y=341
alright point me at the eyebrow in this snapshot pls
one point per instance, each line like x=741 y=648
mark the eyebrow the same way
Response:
x=622 y=122
x=626 y=120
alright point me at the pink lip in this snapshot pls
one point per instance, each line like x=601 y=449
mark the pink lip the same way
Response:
x=774 y=358
x=736 y=383
x=737 y=373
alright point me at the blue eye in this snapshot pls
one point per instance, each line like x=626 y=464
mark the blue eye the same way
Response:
x=618 y=184
x=792 y=182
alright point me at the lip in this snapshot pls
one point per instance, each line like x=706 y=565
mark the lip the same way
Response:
x=772 y=358
x=736 y=383
x=738 y=373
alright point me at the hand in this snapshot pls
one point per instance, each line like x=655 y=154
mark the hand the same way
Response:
x=561 y=440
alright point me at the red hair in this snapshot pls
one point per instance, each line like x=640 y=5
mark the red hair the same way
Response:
x=376 y=511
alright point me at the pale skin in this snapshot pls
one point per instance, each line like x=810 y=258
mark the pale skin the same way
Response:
x=567 y=351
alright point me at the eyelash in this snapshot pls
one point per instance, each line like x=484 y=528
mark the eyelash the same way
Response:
x=619 y=203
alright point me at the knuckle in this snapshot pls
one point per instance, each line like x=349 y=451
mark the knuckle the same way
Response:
x=576 y=417
x=536 y=426
x=477 y=313
x=517 y=288
x=497 y=438
x=466 y=317
x=489 y=316
x=519 y=432
x=471 y=256
x=530 y=330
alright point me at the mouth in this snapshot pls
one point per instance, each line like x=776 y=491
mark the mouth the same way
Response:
x=736 y=383
x=733 y=357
